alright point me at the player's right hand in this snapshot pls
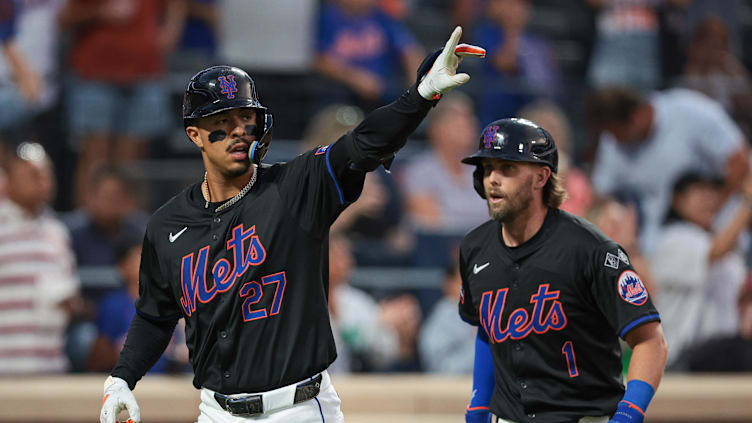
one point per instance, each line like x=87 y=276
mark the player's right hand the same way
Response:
x=118 y=396
x=442 y=75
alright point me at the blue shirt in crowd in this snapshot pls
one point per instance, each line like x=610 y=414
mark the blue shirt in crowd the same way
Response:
x=198 y=35
x=536 y=74
x=373 y=41
x=114 y=314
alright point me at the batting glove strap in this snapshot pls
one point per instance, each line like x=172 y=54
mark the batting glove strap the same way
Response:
x=627 y=412
x=636 y=399
x=477 y=415
x=442 y=74
x=118 y=396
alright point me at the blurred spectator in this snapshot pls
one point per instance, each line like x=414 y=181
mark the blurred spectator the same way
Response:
x=274 y=36
x=646 y=143
x=20 y=82
x=370 y=336
x=520 y=65
x=38 y=283
x=446 y=343
x=397 y=9
x=735 y=350
x=116 y=310
x=551 y=117
x=200 y=31
x=465 y=12
x=373 y=223
x=435 y=183
x=362 y=48
x=619 y=222
x=109 y=213
x=698 y=271
x=627 y=44
x=117 y=98
x=714 y=70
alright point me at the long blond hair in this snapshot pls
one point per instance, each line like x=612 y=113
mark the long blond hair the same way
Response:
x=554 y=192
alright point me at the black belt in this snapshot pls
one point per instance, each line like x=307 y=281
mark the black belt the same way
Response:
x=252 y=405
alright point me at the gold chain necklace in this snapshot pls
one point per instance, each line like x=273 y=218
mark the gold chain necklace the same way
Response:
x=237 y=196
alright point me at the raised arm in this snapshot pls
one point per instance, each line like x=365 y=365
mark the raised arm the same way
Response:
x=384 y=131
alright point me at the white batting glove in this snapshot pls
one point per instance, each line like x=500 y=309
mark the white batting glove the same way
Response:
x=117 y=396
x=443 y=75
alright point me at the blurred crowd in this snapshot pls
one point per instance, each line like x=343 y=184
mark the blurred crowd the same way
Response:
x=649 y=102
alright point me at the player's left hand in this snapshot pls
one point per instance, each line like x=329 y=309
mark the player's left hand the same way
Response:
x=118 y=396
x=442 y=75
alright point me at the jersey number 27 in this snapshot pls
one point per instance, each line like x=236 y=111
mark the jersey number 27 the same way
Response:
x=254 y=291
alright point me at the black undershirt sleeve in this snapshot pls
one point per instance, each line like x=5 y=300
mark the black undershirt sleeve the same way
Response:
x=381 y=134
x=146 y=342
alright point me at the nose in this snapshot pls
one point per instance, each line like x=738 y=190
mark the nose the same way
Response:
x=238 y=127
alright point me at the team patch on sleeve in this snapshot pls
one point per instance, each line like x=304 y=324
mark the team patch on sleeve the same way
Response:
x=631 y=289
x=615 y=259
x=623 y=256
x=321 y=150
x=612 y=261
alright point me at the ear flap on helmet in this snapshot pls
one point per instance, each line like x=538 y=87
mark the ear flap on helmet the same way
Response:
x=478 y=181
x=258 y=148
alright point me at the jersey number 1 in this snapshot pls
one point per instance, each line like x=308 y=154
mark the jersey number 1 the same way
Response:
x=568 y=351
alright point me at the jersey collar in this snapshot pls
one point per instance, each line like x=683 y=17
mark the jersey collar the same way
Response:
x=534 y=243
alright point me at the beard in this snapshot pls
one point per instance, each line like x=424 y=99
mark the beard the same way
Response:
x=513 y=204
x=236 y=171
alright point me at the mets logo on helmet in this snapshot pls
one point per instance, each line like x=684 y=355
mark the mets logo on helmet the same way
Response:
x=631 y=289
x=228 y=85
x=489 y=135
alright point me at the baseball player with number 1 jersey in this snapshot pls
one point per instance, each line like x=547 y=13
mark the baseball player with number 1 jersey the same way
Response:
x=242 y=255
x=551 y=295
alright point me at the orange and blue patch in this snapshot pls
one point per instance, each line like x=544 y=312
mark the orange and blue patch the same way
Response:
x=631 y=289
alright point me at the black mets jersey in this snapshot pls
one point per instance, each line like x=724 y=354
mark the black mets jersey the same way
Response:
x=553 y=308
x=251 y=281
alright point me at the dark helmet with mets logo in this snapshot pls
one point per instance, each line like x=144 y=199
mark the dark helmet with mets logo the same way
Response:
x=220 y=88
x=514 y=139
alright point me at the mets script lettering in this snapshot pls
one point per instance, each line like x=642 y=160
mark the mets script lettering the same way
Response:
x=520 y=324
x=193 y=269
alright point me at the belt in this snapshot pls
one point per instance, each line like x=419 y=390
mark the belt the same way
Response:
x=587 y=419
x=247 y=405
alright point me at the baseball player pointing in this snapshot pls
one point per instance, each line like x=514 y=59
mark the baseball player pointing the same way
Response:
x=242 y=255
x=551 y=296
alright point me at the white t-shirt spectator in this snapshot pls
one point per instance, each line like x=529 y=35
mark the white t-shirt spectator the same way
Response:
x=359 y=329
x=696 y=298
x=690 y=132
x=446 y=343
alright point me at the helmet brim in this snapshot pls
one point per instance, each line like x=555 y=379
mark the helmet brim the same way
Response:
x=476 y=159
x=224 y=105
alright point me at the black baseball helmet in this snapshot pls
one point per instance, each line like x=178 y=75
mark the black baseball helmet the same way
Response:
x=514 y=139
x=220 y=88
